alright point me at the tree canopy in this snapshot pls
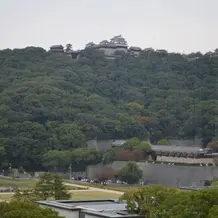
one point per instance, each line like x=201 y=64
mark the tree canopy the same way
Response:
x=21 y=209
x=130 y=173
x=156 y=201
x=50 y=102
x=49 y=186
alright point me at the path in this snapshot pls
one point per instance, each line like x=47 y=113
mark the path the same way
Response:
x=87 y=189
x=93 y=188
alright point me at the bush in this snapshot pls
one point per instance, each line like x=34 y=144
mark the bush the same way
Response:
x=163 y=142
x=130 y=173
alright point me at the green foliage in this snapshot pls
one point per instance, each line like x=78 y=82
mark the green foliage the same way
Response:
x=131 y=143
x=79 y=158
x=162 y=142
x=156 y=201
x=50 y=102
x=145 y=201
x=143 y=146
x=130 y=173
x=49 y=186
x=213 y=183
x=45 y=187
x=20 y=209
x=53 y=159
x=60 y=190
x=109 y=156
x=213 y=212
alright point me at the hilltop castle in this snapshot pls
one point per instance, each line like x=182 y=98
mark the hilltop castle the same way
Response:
x=110 y=48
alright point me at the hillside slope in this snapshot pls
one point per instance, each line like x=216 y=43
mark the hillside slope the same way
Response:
x=48 y=101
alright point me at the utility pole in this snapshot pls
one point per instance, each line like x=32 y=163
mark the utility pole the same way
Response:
x=70 y=169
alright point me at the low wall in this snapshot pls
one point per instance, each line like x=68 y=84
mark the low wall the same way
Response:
x=164 y=174
x=185 y=160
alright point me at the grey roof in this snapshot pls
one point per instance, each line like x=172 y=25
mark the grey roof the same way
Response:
x=80 y=203
x=104 y=207
x=121 y=46
x=113 y=214
x=98 y=208
x=56 y=46
x=109 y=45
x=174 y=148
x=133 y=48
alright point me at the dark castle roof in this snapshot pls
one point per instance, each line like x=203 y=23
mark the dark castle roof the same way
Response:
x=133 y=48
x=56 y=47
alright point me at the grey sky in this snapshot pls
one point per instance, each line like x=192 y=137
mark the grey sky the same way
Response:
x=175 y=25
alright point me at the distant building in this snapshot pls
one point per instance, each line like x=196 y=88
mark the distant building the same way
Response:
x=110 y=48
x=57 y=48
x=74 y=54
x=135 y=50
x=104 y=145
x=105 y=208
x=116 y=44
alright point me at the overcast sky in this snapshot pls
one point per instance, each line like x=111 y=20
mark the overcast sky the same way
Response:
x=175 y=25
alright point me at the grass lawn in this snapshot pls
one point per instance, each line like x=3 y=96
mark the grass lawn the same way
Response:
x=80 y=195
x=122 y=188
x=28 y=183
x=5 y=197
x=93 y=195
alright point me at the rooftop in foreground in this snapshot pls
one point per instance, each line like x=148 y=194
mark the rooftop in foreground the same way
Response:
x=84 y=208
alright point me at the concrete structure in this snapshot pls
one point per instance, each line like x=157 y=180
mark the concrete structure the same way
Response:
x=185 y=160
x=166 y=174
x=108 y=49
x=89 y=208
x=104 y=145
x=197 y=188
x=185 y=142
x=74 y=54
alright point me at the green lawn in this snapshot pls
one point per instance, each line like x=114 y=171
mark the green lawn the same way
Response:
x=28 y=183
x=5 y=197
x=75 y=195
x=122 y=188
x=93 y=195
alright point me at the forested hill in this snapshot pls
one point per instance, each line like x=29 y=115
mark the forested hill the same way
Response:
x=49 y=101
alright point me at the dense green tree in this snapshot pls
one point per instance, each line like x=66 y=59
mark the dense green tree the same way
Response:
x=60 y=190
x=145 y=201
x=54 y=159
x=188 y=204
x=49 y=186
x=156 y=201
x=130 y=173
x=162 y=142
x=50 y=102
x=20 y=209
x=131 y=143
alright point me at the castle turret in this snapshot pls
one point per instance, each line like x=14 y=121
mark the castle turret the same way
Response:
x=120 y=43
x=57 y=48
